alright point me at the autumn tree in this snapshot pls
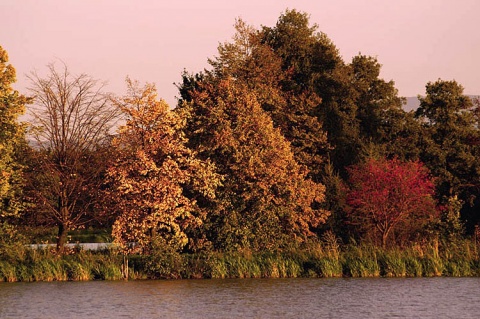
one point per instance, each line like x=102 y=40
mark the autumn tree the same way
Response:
x=385 y=194
x=319 y=119
x=12 y=137
x=333 y=114
x=360 y=112
x=266 y=201
x=156 y=185
x=251 y=61
x=72 y=121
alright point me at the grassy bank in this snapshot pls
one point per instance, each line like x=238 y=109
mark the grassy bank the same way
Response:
x=320 y=261
x=44 y=265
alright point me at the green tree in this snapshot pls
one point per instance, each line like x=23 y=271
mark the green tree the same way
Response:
x=156 y=185
x=385 y=128
x=266 y=201
x=72 y=123
x=450 y=151
x=12 y=138
x=315 y=65
x=335 y=202
x=451 y=228
x=361 y=113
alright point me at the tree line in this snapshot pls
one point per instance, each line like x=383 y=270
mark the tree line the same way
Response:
x=279 y=142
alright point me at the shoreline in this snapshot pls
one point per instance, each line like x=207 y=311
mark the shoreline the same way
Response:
x=350 y=262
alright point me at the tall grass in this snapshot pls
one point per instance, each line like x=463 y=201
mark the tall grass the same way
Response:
x=45 y=265
x=251 y=265
x=361 y=261
x=324 y=259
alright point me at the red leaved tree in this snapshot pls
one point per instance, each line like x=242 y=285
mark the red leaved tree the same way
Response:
x=385 y=194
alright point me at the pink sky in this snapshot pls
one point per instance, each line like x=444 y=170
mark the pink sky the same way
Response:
x=416 y=41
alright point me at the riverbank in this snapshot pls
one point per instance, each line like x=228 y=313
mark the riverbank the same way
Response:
x=324 y=261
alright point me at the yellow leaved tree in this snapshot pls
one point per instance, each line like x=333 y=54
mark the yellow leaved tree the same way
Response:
x=155 y=182
x=12 y=135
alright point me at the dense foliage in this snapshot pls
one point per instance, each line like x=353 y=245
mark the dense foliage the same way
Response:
x=386 y=195
x=276 y=147
x=155 y=180
x=12 y=138
x=450 y=144
x=266 y=200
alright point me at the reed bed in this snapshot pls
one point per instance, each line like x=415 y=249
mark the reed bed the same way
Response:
x=45 y=265
x=322 y=260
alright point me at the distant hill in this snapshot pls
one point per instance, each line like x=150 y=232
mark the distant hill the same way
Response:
x=413 y=103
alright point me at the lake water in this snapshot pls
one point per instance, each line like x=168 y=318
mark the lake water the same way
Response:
x=245 y=298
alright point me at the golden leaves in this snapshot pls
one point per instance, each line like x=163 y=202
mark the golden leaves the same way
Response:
x=154 y=169
x=266 y=194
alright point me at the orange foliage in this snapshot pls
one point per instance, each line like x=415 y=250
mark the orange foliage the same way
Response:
x=154 y=172
x=266 y=200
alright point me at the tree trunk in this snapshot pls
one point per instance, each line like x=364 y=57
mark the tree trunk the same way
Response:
x=61 y=237
x=125 y=267
x=62 y=222
x=384 y=239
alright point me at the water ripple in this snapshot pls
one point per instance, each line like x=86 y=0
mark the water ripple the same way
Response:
x=244 y=298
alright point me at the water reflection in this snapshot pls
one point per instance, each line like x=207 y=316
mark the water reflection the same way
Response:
x=245 y=298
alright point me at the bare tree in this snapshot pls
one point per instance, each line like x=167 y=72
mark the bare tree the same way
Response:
x=71 y=121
